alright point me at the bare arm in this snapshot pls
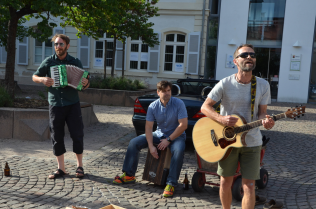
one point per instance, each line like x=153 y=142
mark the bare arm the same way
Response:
x=208 y=110
x=149 y=137
x=268 y=123
x=47 y=81
x=183 y=125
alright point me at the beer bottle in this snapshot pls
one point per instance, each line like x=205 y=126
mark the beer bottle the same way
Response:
x=6 y=169
x=186 y=182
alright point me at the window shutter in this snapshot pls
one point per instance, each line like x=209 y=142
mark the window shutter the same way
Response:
x=58 y=31
x=193 y=53
x=3 y=53
x=23 y=51
x=119 y=55
x=84 y=51
x=154 y=57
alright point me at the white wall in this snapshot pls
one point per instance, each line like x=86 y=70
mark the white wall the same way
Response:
x=232 y=25
x=299 y=23
x=173 y=22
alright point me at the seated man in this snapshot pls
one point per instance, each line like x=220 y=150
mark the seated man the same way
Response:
x=172 y=120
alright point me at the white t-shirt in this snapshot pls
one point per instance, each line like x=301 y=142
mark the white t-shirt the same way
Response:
x=236 y=99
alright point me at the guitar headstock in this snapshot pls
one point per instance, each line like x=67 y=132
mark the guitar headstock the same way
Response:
x=295 y=112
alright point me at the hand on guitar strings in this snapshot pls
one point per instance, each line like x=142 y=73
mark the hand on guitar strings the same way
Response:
x=228 y=120
x=153 y=152
x=268 y=122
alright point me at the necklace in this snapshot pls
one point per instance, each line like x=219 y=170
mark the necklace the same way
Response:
x=239 y=81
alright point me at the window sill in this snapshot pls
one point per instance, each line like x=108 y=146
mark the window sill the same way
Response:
x=32 y=67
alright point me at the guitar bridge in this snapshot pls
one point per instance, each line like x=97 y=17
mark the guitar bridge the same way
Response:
x=214 y=138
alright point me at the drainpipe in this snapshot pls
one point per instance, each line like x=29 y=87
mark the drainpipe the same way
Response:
x=201 y=38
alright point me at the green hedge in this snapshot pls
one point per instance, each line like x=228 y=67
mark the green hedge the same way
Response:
x=5 y=99
x=117 y=83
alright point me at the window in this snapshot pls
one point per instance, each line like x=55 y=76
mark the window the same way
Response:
x=174 y=52
x=3 y=55
x=43 y=50
x=139 y=55
x=99 y=51
x=265 y=22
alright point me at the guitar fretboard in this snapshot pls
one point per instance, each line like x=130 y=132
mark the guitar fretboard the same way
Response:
x=257 y=123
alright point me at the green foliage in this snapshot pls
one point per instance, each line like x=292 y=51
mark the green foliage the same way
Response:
x=42 y=95
x=117 y=83
x=5 y=99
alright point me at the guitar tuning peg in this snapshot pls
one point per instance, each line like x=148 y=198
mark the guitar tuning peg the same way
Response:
x=302 y=114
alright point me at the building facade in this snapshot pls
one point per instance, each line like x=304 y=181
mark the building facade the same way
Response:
x=199 y=37
x=179 y=28
x=283 y=33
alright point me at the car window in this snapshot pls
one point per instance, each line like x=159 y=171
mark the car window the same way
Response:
x=194 y=88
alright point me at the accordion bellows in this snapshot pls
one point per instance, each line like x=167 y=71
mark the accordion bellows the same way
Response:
x=67 y=75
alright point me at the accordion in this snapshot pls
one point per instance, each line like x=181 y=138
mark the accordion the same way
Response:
x=67 y=75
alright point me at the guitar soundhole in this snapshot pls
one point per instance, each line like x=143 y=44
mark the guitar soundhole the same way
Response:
x=229 y=133
x=224 y=143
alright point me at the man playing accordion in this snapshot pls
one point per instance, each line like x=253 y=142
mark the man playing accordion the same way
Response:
x=64 y=106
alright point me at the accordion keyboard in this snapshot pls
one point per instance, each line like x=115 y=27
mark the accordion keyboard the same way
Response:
x=54 y=72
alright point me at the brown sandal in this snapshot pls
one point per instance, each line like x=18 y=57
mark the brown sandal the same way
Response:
x=55 y=175
x=260 y=200
x=273 y=204
x=79 y=172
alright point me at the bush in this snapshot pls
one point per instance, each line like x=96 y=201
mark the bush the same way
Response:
x=117 y=83
x=5 y=99
x=42 y=95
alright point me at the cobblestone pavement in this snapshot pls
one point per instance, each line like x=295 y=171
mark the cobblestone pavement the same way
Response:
x=289 y=159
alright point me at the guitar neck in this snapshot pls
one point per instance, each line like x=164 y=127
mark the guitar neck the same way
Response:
x=257 y=123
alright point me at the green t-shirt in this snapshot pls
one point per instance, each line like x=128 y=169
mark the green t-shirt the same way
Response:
x=59 y=96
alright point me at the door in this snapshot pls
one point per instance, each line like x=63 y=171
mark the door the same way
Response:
x=268 y=66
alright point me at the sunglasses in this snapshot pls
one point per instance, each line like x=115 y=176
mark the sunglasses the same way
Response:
x=246 y=54
x=60 y=44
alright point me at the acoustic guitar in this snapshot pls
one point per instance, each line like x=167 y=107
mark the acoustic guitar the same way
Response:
x=213 y=141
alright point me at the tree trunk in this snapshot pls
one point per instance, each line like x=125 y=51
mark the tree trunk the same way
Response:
x=11 y=45
x=105 y=52
x=113 y=60
x=123 y=58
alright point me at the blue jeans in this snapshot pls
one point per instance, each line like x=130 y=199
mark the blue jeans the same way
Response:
x=176 y=147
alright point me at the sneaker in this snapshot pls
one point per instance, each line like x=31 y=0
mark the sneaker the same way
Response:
x=124 y=179
x=168 y=191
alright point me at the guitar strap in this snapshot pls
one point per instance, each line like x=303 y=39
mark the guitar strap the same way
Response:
x=253 y=96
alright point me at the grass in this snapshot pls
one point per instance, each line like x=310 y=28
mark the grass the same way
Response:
x=5 y=99
x=117 y=83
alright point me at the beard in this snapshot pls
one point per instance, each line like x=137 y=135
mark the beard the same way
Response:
x=244 y=67
x=61 y=52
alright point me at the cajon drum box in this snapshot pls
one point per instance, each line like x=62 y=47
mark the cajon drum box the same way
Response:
x=157 y=170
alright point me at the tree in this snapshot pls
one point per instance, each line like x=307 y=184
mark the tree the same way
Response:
x=129 y=20
x=88 y=17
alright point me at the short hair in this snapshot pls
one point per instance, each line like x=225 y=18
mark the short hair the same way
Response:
x=241 y=46
x=62 y=36
x=162 y=85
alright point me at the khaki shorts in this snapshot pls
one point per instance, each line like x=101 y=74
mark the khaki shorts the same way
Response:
x=249 y=158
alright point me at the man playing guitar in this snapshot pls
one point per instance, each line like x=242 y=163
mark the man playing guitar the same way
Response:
x=237 y=97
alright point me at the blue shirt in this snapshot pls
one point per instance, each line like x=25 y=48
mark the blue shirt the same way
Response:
x=167 y=117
